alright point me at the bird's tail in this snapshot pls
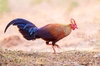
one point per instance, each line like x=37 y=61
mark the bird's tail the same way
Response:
x=26 y=28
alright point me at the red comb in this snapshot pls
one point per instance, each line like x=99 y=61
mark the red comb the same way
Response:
x=72 y=21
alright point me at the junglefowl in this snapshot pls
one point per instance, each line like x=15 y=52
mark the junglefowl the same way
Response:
x=49 y=33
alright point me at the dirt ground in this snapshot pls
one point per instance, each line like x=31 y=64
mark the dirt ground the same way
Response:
x=68 y=58
x=80 y=48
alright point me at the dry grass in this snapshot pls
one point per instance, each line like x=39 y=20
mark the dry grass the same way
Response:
x=67 y=58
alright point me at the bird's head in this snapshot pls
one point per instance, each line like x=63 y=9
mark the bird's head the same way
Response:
x=73 y=24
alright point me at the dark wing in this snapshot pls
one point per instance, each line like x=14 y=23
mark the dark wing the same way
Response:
x=26 y=28
x=45 y=33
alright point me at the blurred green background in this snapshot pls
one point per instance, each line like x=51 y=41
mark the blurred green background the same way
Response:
x=5 y=4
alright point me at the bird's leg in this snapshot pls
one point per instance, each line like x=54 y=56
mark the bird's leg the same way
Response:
x=57 y=45
x=54 y=49
x=53 y=44
x=47 y=43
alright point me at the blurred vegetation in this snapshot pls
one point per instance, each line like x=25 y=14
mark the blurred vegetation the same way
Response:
x=59 y=2
x=34 y=2
x=68 y=4
x=74 y=4
x=4 y=7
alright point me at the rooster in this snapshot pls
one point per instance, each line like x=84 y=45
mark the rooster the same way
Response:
x=49 y=33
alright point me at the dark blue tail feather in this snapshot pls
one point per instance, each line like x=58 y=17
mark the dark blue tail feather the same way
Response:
x=21 y=23
x=26 y=28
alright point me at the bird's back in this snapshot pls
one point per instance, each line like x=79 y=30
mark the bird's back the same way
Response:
x=54 y=32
